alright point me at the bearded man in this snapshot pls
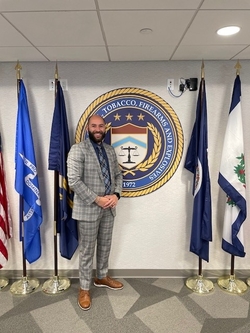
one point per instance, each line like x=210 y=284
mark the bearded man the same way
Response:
x=96 y=179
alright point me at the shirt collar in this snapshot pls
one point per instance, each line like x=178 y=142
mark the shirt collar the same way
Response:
x=95 y=145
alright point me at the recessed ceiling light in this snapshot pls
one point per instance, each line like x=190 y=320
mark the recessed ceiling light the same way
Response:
x=146 y=31
x=227 y=31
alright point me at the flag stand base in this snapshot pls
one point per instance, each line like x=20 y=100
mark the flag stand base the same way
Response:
x=232 y=285
x=200 y=285
x=56 y=285
x=248 y=282
x=3 y=282
x=24 y=286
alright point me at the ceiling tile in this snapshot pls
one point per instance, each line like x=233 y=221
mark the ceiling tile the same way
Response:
x=244 y=54
x=123 y=28
x=10 y=54
x=9 y=36
x=31 y=5
x=207 y=52
x=148 y=4
x=94 y=53
x=59 y=28
x=140 y=53
x=202 y=32
x=226 y=4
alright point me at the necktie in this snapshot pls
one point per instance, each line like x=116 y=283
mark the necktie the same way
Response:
x=105 y=171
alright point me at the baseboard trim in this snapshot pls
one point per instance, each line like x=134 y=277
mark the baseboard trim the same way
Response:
x=128 y=273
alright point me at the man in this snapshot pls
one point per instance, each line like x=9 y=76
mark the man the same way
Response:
x=96 y=179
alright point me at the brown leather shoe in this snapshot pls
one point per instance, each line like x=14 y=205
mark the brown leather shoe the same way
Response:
x=84 y=300
x=108 y=282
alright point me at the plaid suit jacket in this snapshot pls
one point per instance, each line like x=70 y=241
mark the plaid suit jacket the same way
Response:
x=86 y=180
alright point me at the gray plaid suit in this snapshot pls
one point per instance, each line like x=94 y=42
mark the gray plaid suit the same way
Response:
x=95 y=223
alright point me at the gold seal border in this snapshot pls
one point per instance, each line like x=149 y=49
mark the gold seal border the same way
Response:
x=81 y=127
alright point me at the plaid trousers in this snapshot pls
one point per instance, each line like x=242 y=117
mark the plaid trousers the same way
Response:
x=94 y=233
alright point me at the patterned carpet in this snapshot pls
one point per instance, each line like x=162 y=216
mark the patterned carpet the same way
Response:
x=162 y=305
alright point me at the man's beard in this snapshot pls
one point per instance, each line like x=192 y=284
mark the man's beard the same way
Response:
x=92 y=137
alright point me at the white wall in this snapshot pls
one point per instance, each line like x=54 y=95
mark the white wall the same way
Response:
x=152 y=231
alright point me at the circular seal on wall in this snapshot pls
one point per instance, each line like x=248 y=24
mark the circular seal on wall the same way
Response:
x=146 y=134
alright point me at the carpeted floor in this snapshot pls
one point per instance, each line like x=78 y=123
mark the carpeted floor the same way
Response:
x=162 y=305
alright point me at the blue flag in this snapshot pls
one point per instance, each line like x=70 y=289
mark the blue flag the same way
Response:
x=59 y=148
x=232 y=178
x=26 y=180
x=197 y=163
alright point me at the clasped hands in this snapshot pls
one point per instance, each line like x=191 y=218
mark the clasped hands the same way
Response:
x=108 y=201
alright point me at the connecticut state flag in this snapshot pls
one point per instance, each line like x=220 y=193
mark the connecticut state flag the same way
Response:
x=232 y=178
x=59 y=147
x=197 y=163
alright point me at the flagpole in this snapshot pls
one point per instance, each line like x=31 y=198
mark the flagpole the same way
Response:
x=25 y=285
x=230 y=283
x=198 y=283
x=56 y=284
x=56 y=194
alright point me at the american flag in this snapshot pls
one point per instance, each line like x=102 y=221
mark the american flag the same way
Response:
x=5 y=222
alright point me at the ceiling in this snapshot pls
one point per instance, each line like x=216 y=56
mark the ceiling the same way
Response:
x=109 y=30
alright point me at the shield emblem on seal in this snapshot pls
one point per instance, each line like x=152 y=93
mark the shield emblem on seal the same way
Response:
x=130 y=143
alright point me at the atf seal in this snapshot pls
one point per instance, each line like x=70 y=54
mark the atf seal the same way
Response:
x=146 y=134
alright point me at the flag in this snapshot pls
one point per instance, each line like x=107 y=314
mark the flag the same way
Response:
x=5 y=221
x=59 y=148
x=197 y=163
x=26 y=181
x=232 y=178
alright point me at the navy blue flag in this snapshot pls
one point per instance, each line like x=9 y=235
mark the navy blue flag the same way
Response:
x=232 y=178
x=59 y=148
x=197 y=163
x=26 y=181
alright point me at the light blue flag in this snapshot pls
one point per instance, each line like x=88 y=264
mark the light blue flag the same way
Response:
x=26 y=181
x=232 y=178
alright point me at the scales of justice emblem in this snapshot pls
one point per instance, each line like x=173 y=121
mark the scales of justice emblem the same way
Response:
x=145 y=133
x=130 y=143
